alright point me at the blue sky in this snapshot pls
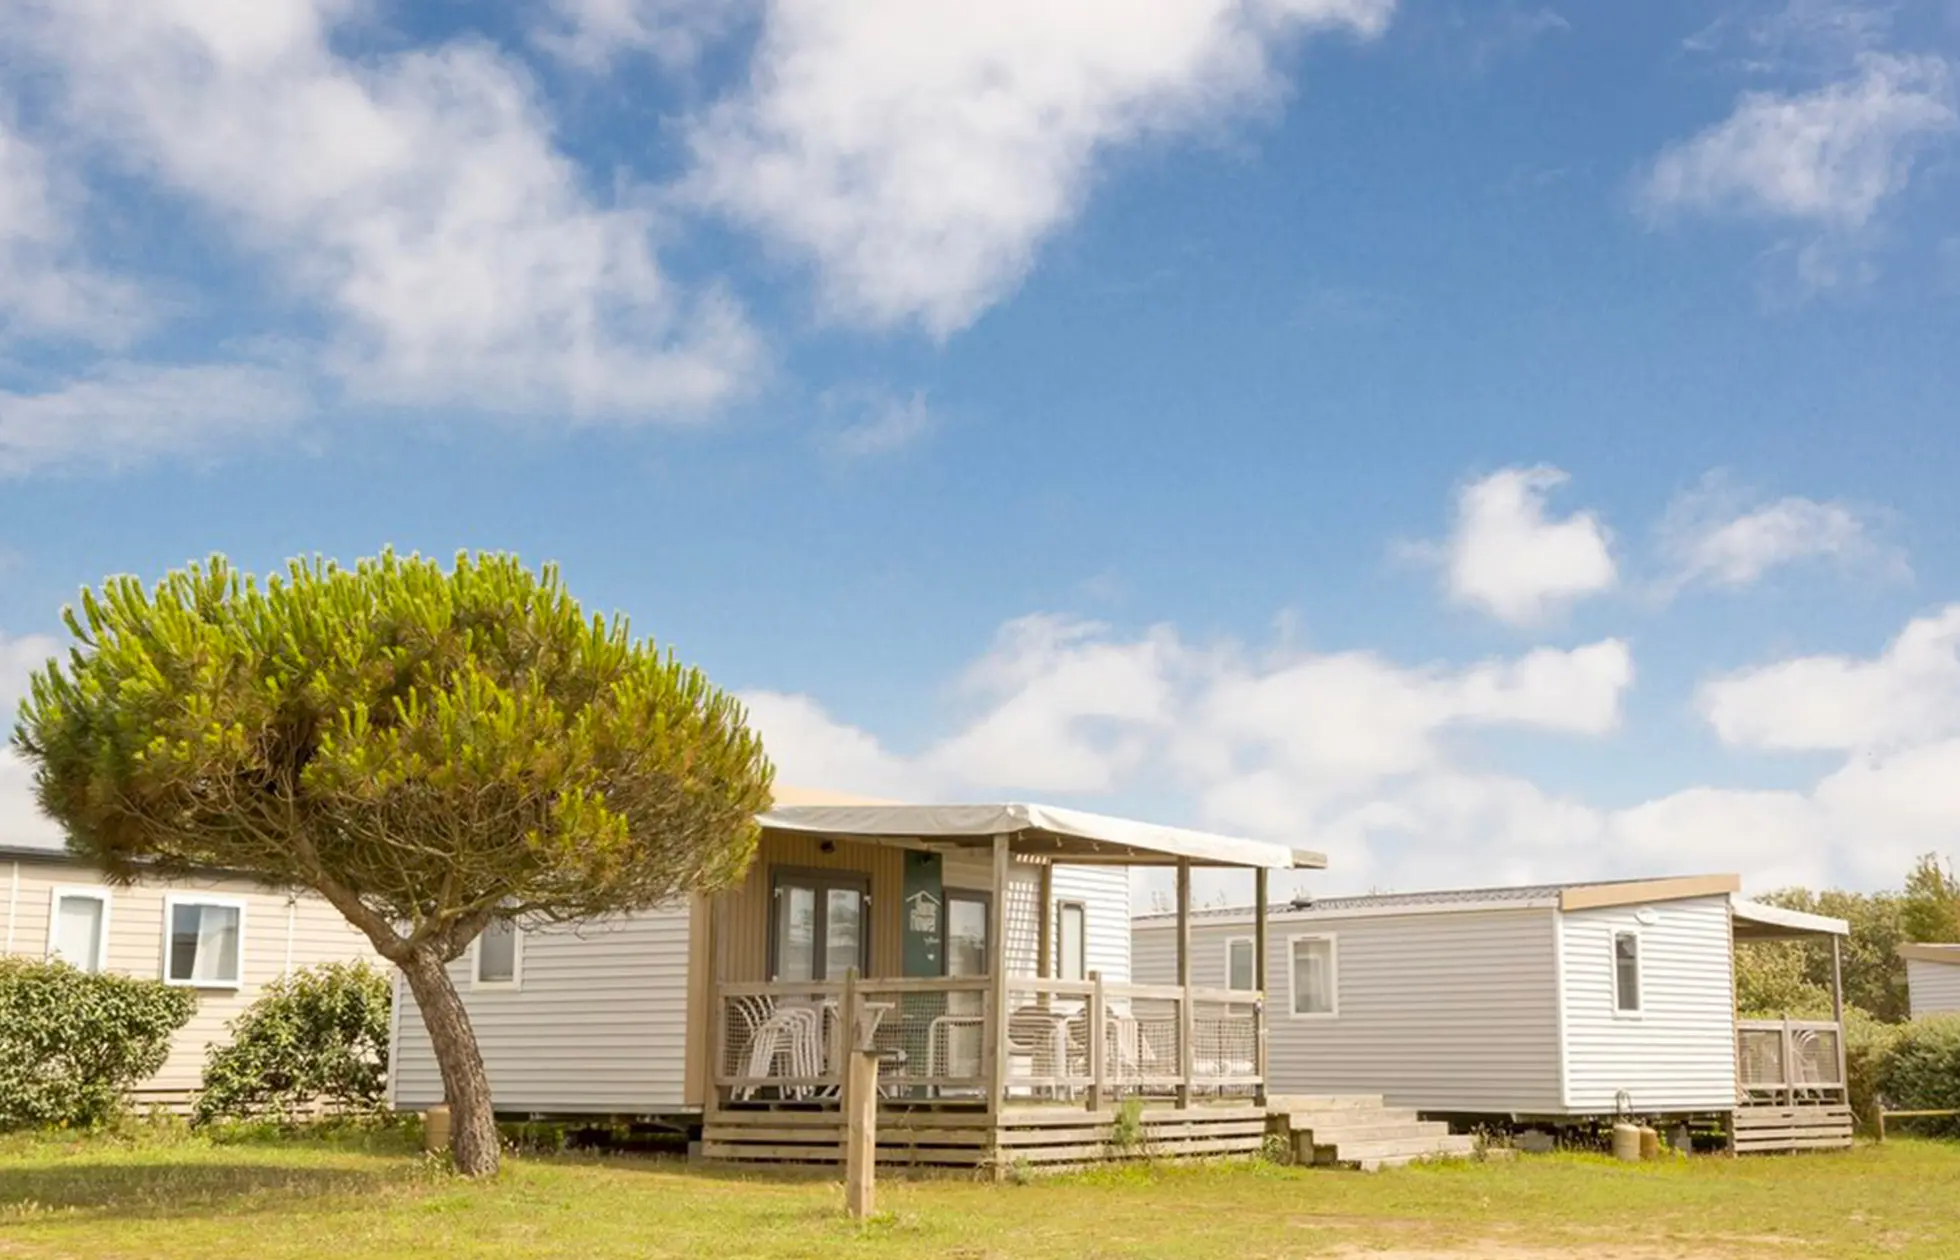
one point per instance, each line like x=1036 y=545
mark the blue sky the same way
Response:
x=1486 y=441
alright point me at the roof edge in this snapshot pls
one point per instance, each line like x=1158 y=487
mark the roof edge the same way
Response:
x=1674 y=888
x=1929 y=952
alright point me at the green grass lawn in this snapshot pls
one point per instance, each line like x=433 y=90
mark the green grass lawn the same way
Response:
x=370 y=1198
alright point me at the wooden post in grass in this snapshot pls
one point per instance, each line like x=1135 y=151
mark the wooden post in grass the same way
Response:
x=860 y=1104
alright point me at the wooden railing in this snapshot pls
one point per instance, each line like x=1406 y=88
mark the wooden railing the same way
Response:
x=945 y=1039
x=1788 y=1061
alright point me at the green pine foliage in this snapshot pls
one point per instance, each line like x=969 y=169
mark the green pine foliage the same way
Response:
x=429 y=748
x=73 y=1044
x=314 y=1043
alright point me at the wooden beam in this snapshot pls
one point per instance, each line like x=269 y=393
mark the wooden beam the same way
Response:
x=704 y=1013
x=1098 y=1042
x=996 y=1021
x=860 y=1069
x=1259 y=964
x=1837 y=1010
x=1044 y=965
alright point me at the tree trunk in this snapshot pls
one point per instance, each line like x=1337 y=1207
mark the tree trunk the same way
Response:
x=465 y=1085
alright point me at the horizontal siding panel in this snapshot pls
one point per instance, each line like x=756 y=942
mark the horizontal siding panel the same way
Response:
x=1934 y=987
x=1446 y=1012
x=599 y=1024
x=1679 y=1054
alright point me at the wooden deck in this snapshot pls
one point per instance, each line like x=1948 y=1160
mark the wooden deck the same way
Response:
x=1039 y=1138
x=1791 y=1086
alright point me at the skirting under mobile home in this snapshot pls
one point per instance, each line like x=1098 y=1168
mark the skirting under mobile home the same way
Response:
x=1554 y=1003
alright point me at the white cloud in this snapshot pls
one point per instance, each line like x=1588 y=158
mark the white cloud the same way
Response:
x=417 y=198
x=21 y=820
x=1064 y=707
x=1507 y=556
x=46 y=288
x=880 y=423
x=1378 y=764
x=918 y=151
x=1908 y=695
x=1829 y=157
x=126 y=414
x=594 y=34
x=812 y=749
x=1713 y=536
x=1343 y=750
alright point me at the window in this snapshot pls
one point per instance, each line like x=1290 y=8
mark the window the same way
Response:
x=1239 y=971
x=822 y=925
x=499 y=950
x=1626 y=973
x=1071 y=941
x=203 y=939
x=78 y=927
x=1315 y=979
x=966 y=933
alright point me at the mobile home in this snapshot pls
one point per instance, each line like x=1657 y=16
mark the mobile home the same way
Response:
x=990 y=945
x=222 y=936
x=1932 y=978
x=1552 y=1003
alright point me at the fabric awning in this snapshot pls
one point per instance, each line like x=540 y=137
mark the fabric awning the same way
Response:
x=1039 y=829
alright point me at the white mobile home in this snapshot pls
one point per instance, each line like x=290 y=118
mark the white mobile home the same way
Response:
x=223 y=936
x=978 y=936
x=1549 y=1003
x=1932 y=978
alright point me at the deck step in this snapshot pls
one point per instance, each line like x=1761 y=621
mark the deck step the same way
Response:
x=1360 y=1131
x=1372 y=1131
x=1363 y=1154
x=1322 y=1102
x=1348 y=1117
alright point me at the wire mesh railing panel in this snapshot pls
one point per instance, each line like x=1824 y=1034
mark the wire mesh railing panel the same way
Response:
x=931 y=1043
x=1759 y=1054
x=1814 y=1056
x=1048 y=1038
x=784 y=1043
x=1224 y=1046
x=935 y=1040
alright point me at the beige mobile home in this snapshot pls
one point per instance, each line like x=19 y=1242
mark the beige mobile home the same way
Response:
x=222 y=936
x=988 y=944
x=1932 y=978
x=1553 y=1003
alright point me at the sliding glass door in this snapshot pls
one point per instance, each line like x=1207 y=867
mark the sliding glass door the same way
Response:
x=821 y=925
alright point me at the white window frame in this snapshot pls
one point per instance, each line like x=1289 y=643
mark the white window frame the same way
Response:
x=1232 y=943
x=516 y=981
x=1333 y=976
x=1082 y=908
x=92 y=892
x=1639 y=973
x=170 y=903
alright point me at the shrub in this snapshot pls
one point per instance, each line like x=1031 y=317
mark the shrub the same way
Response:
x=316 y=1041
x=73 y=1044
x=1922 y=1071
x=1868 y=1046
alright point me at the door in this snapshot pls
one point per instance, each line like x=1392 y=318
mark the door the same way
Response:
x=821 y=925
x=967 y=917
